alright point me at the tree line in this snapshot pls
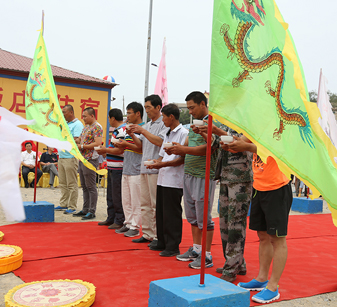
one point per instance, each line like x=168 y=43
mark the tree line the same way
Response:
x=332 y=98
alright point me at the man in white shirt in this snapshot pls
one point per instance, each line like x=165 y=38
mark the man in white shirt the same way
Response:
x=28 y=164
x=169 y=186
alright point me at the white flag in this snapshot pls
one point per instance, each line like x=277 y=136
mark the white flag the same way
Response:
x=11 y=138
x=327 y=119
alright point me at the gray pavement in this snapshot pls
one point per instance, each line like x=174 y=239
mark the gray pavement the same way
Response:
x=8 y=281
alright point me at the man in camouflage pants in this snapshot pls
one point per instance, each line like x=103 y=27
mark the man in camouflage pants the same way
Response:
x=234 y=199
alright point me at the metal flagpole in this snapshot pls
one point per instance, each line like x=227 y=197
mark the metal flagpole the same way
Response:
x=37 y=143
x=207 y=176
x=42 y=22
x=35 y=180
x=147 y=69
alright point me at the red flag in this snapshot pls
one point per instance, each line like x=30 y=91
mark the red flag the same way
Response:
x=161 y=83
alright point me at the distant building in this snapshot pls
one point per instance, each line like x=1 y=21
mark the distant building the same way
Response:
x=183 y=107
x=73 y=88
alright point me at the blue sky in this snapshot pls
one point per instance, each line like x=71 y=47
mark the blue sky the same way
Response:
x=109 y=37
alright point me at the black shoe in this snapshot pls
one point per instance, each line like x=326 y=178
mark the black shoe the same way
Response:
x=89 y=216
x=166 y=253
x=157 y=247
x=141 y=240
x=32 y=184
x=27 y=185
x=105 y=223
x=79 y=213
x=153 y=243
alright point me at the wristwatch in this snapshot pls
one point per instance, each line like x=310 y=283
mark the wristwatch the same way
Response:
x=81 y=146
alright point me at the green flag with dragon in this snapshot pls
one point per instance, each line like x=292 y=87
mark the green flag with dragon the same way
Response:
x=42 y=103
x=257 y=87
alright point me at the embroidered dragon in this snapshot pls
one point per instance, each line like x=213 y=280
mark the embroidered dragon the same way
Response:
x=34 y=83
x=250 y=16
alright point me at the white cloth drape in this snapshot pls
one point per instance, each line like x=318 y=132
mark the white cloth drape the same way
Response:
x=11 y=138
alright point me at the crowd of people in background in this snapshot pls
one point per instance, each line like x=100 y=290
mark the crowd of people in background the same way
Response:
x=152 y=165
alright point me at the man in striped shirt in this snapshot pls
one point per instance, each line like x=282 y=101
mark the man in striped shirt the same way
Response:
x=114 y=158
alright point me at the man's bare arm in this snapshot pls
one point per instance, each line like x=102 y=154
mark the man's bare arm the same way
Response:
x=97 y=142
x=159 y=164
x=154 y=139
x=242 y=144
x=182 y=150
x=123 y=144
x=215 y=130
x=136 y=140
x=175 y=162
x=111 y=151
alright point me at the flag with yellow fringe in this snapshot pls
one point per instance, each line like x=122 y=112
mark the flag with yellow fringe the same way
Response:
x=257 y=87
x=42 y=103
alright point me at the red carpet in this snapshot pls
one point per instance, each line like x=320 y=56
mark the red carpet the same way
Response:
x=122 y=270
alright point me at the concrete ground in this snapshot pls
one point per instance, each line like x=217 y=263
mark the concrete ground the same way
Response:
x=9 y=281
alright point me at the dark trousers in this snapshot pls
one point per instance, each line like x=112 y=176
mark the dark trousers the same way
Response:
x=88 y=182
x=26 y=170
x=114 y=197
x=168 y=217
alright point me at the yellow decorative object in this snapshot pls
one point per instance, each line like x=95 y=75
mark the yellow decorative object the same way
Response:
x=1 y=235
x=44 y=181
x=10 y=258
x=61 y=293
x=78 y=180
x=104 y=181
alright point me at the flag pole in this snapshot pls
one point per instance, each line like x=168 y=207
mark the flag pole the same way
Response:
x=147 y=69
x=207 y=177
x=37 y=143
x=35 y=180
x=42 y=29
x=319 y=83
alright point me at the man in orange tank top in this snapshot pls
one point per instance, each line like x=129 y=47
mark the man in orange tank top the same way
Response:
x=271 y=203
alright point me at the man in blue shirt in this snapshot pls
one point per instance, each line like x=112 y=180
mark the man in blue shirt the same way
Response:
x=68 y=166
